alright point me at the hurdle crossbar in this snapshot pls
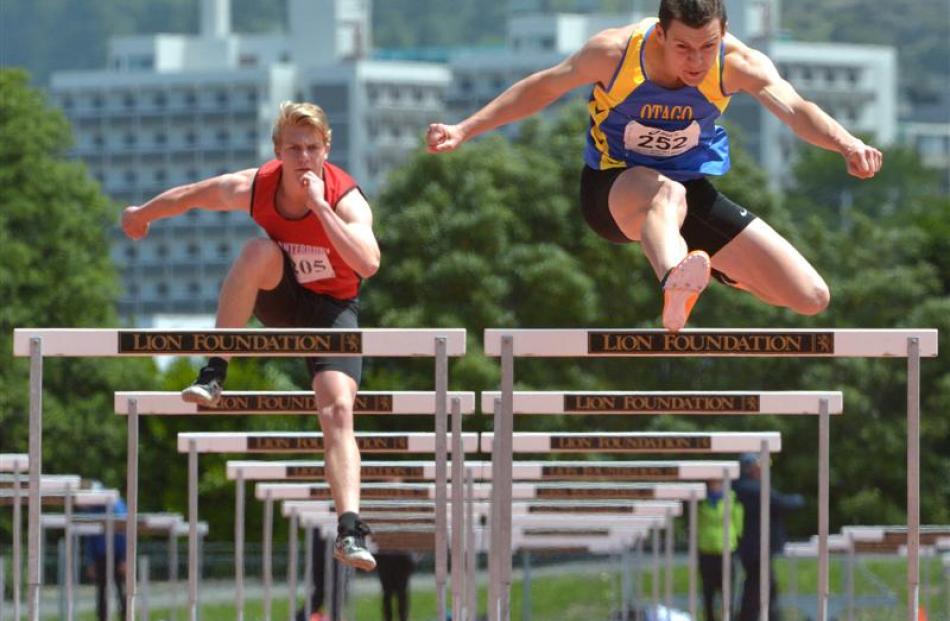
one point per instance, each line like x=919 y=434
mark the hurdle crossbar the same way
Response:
x=293 y=402
x=656 y=402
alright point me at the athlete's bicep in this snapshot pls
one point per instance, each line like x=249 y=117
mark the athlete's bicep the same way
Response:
x=354 y=210
x=230 y=192
x=588 y=65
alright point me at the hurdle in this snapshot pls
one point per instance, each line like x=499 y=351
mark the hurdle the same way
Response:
x=278 y=403
x=16 y=463
x=698 y=403
x=194 y=443
x=637 y=442
x=38 y=343
x=910 y=344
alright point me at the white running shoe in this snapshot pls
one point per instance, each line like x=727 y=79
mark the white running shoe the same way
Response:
x=682 y=288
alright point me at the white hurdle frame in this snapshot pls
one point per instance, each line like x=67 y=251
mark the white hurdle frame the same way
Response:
x=852 y=343
x=38 y=343
x=700 y=403
x=164 y=403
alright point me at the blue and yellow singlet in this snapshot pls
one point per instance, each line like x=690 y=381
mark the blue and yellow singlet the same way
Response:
x=636 y=122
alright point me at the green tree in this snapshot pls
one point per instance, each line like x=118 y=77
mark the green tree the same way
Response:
x=55 y=271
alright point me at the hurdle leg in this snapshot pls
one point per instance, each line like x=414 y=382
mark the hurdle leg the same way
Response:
x=625 y=585
x=34 y=556
x=292 y=559
x=472 y=556
x=110 y=557
x=308 y=572
x=764 y=538
x=192 y=531
x=330 y=607
x=913 y=478
x=132 y=497
x=726 y=545
x=505 y=437
x=268 y=560
x=458 y=526
x=17 y=568
x=68 y=577
x=441 y=482
x=668 y=588
x=494 y=528
x=526 y=585
x=143 y=569
x=239 y=545
x=656 y=568
x=693 y=553
x=173 y=572
x=824 y=466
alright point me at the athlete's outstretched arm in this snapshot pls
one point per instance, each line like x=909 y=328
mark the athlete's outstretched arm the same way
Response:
x=228 y=192
x=528 y=95
x=753 y=72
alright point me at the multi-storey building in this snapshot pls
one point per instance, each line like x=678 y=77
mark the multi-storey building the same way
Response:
x=170 y=109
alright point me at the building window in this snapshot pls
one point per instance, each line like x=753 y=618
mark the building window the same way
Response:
x=192 y=174
x=160 y=138
x=129 y=139
x=128 y=100
x=252 y=97
x=160 y=176
x=221 y=97
x=161 y=251
x=133 y=289
x=159 y=100
x=190 y=137
x=252 y=135
x=193 y=250
x=194 y=288
x=98 y=140
x=190 y=98
x=67 y=102
x=161 y=289
x=129 y=177
x=131 y=253
x=223 y=135
x=97 y=101
x=223 y=248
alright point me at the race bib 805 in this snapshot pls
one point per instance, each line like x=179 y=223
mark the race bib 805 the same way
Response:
x=310 y=262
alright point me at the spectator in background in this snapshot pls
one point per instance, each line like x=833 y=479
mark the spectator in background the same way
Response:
x=395 y=569
x=749 y=490
x=94 y=560
x=710 y=520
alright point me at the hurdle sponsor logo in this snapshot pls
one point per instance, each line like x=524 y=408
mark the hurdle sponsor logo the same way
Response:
x=647 y=473
x=631 y=443
x=566 y=532
x=306 y=472
x=404 y=541
x=392 y=472
x=140 y=342
x=283 y=443
x=711 y=343
x=577 y=509
x=263 y=403
x=383 y=443
x=581 y=403
x=635 y=493
x=365 y=404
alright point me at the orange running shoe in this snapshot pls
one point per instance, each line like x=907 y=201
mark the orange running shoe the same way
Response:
x=683 y=285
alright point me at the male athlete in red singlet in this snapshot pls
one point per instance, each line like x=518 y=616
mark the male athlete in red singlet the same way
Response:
x=306 y=274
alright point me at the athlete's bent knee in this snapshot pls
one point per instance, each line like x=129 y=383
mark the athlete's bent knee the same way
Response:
x=260 y=251
x=815 y=301
x=336 y=415
x=670 y=198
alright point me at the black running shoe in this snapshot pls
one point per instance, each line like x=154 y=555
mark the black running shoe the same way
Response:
x=351 y=548
x=207 y=388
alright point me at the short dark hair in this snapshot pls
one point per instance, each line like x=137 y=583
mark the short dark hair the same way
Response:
x=692 y=13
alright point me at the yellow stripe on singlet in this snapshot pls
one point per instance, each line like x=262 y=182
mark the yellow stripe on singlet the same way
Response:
x=711 y=86
x=628 y=77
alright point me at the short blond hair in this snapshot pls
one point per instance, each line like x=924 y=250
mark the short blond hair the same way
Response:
x=301 y=113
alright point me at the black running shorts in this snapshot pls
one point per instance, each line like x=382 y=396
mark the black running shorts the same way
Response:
x=712 y=220
x=291 y=305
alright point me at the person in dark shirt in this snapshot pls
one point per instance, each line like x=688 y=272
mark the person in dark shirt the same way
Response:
x=395 y=569
x=748 y=490
x=94 y=560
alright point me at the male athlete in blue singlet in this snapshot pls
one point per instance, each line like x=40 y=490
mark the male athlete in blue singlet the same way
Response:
x=658 y=87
